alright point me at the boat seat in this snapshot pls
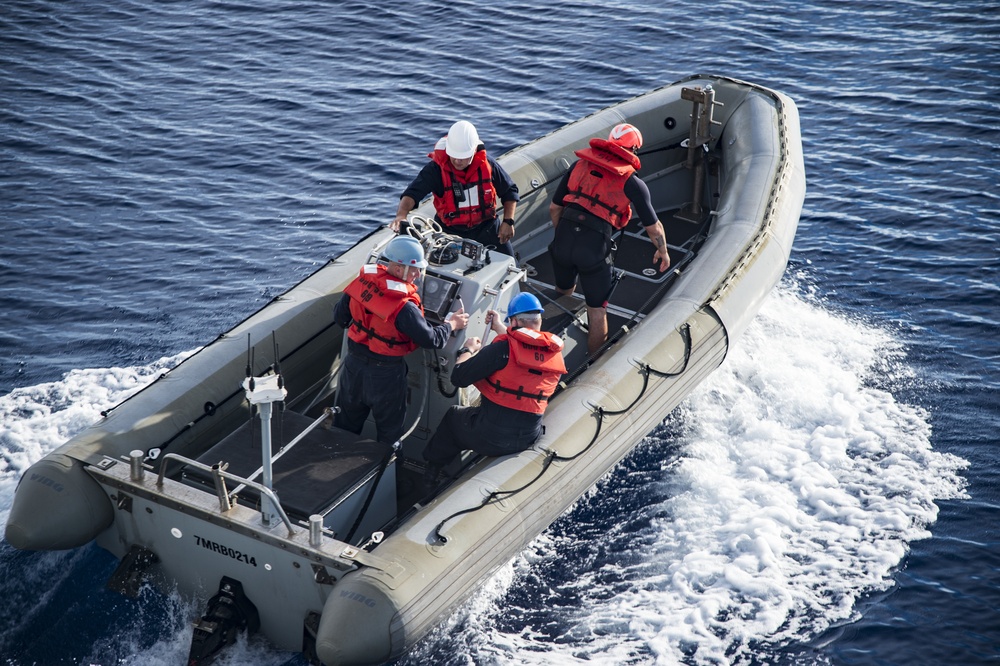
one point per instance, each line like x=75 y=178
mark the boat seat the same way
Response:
x=313 y=477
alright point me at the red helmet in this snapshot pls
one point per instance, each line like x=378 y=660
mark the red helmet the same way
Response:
x=626 y=136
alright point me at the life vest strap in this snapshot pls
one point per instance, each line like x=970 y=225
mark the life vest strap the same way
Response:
x=371 y=333
x=575 y=215
x=519 y=392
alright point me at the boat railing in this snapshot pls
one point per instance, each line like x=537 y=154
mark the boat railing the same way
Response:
x=219 y=474
x=327 y=415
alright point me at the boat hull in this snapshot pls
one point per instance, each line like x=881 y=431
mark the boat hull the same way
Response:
x=75 y=507
x=365 y=591
x=437 y=567
x=763 y=191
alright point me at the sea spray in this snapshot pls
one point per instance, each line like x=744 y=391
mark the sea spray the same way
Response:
x=789 y=485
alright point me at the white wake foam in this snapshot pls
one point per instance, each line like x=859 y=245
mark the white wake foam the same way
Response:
x=798 y=489
x=38 y=419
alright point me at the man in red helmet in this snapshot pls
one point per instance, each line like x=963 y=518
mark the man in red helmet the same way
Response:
x=515 y=374
x=595 y=198
x=469 y=187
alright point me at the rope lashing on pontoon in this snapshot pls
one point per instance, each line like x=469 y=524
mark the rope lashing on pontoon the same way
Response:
x=599 y=413
x=646 y=370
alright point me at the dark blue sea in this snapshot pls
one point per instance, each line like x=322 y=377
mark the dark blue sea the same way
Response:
x=830 y=496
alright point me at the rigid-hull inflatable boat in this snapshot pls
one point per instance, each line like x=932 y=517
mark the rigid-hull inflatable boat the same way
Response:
x=225 y=479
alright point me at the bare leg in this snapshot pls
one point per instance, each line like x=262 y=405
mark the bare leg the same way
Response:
x=597 y=328
x=566 y=292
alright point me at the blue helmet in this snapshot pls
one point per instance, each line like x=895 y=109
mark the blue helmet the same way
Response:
x=523 y=303
x=405 y=250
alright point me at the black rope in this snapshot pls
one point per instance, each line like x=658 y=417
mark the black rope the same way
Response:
x=538 y=291
x=672 y=146
x=647 y=370
x=623 y=330
x=599 y=413
x=371 y=493
x=644 y=371
x=495 y=496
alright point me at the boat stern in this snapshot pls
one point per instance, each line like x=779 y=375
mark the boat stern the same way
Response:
x=57 y=506
x=178 y=537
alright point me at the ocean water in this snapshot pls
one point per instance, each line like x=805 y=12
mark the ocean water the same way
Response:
x=829 y=496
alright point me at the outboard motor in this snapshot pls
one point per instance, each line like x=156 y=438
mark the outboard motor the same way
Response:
x=228 y=613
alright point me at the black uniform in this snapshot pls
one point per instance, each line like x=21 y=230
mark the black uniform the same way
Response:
x=582 y=243
x=376 y=383
x=489 y=428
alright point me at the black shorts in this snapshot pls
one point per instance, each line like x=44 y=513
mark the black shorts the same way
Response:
x=583 y=250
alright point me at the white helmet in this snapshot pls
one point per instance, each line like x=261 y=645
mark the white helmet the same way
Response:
x=463 y=140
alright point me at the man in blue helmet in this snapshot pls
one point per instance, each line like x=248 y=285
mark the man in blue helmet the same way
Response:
x=384 y=318
x=515 y=374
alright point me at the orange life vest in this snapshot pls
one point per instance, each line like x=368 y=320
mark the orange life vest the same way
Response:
x=597 y=182
x=469 y=197
x=376 y=299
x=531 y=374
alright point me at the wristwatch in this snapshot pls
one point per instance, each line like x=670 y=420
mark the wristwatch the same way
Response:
x=508 y=220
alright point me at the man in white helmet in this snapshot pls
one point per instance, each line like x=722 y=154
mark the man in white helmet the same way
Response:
x=384 y=319
x=467 y=186
x=593 y=199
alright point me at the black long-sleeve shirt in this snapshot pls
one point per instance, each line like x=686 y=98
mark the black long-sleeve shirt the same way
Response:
x=429 y=180
x=492 y=358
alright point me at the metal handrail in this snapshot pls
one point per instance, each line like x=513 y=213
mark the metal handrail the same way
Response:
x=327 y=413
x=215 y=470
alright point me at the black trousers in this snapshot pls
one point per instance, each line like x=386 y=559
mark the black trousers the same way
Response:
x=487 y=429
x=367 y=385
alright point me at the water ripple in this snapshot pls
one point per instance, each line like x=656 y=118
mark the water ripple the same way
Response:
x=167 y=167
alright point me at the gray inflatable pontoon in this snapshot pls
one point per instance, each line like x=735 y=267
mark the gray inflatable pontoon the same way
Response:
x=224 y=478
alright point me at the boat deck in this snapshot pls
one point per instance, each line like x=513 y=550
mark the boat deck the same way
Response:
x=640 y=286
x=325 y=474
x=638 y=291
x=332 y=472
